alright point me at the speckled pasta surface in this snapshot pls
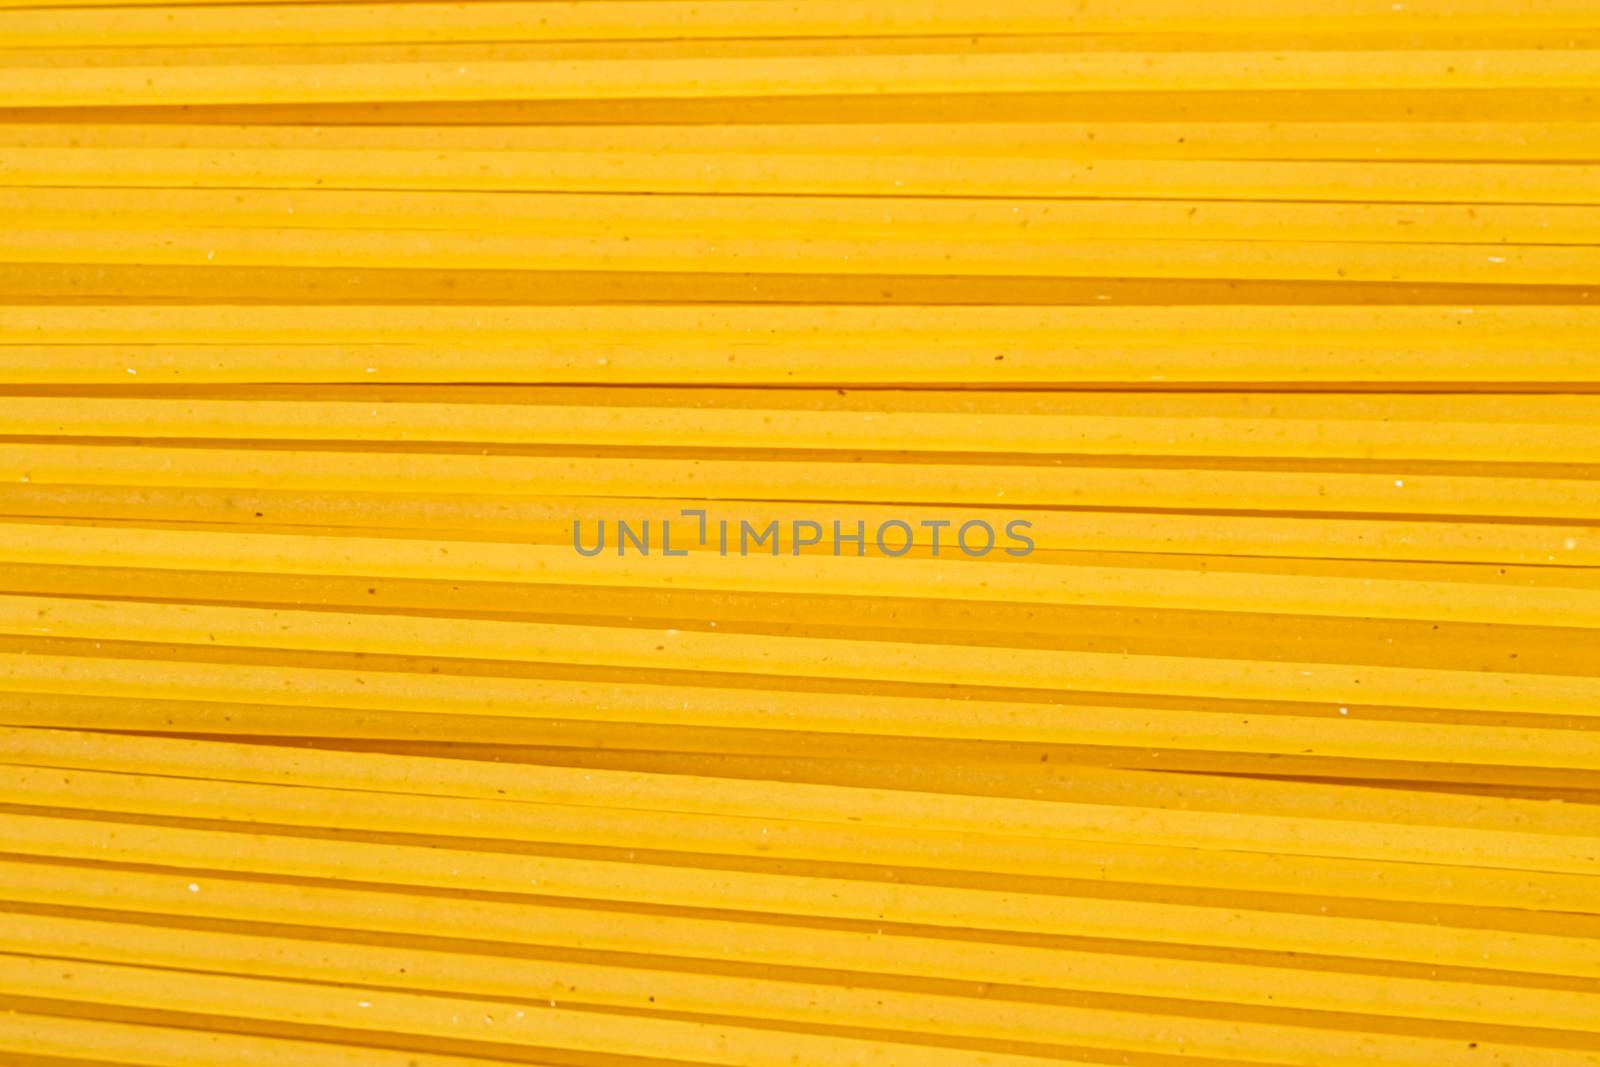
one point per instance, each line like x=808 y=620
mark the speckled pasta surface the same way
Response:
x=799 y=533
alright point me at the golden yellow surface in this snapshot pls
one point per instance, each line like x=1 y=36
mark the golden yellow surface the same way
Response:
x=330 y=332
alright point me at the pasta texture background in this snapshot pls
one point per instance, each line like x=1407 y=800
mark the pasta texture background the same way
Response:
x=1099 y=516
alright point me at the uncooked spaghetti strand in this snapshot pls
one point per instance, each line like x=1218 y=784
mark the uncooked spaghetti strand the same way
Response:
x=1475 y=264
x=1407 y=491
x=64 y=22
x=550 y=521
x=1496 y=140
x=810 y=175
x=662 y=425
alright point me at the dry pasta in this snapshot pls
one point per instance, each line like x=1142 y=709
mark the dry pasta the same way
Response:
x=630 y=533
